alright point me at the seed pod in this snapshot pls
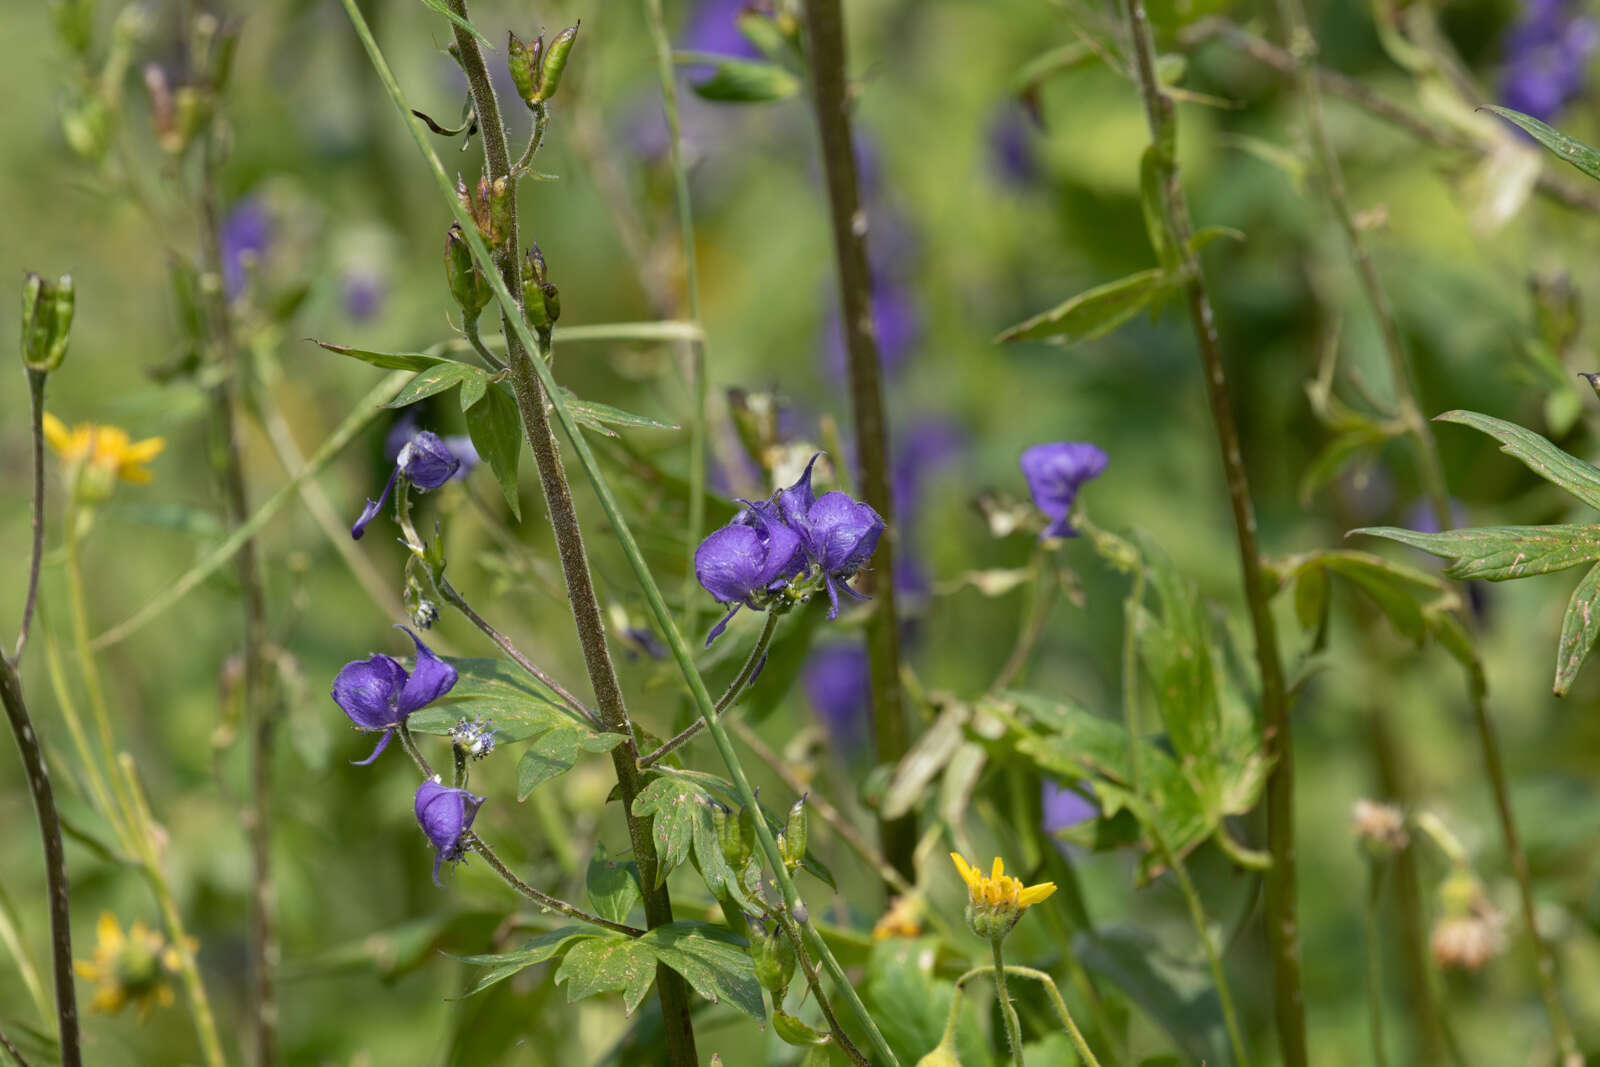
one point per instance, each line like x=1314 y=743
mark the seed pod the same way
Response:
x=552 y=301
x=523 y=58
x=47 y=309
x=792 y=842
x=467 y=285
x=736 y=848
x=774 y=960
x=501 y=205
x=532 y=296
x=555 y=62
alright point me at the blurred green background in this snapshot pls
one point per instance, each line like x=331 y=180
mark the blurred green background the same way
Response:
x=981 y=216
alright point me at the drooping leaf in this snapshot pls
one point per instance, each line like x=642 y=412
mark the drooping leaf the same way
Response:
x=613 y=885
x=740 y=81
x=712 y=960
x=609 y=964
x=1564 y=146
x=674 y=804
x=601 y=417
x=417 y=361
x=1094 y=312
x=435 y=379
x=1579 y=627
x=555 y=751
x=502 y=965
x=1580 y=479
x=495 y=427
x=1501 y=553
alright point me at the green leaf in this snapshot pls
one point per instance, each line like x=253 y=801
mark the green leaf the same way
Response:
x=418 y=361
x=1580 y=479
x=712 y=960
x=502 y=965
x=1379 y=583
x=440 y=7
x=495 y=427
x=1124 y=957
x=1095 y=312
x=494 y=689
x=740 y=81
x=604 y=965
x=601 y=416
x=1058 y=60
x=1565 y=147
x=613 y=885
x=909 y=1004
x=674 y=805
x=435 y=379
x=1579 y=627
x=555 y=751
x=1311 y=598
x=1501 y=553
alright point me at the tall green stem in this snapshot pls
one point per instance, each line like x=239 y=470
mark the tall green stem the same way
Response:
x=892 y=733
x=532 y=395
x=1008 y=1011
x=659 y=613
x=1380 y=1054
x=1283 y=925
x=691 y=280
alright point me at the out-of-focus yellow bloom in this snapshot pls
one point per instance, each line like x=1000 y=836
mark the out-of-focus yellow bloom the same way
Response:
x=129 y=968
x=996 y=901
x=903 y=919
x=107 y=449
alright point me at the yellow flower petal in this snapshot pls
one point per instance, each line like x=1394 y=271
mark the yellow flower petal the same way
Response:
x=107 y=932
x=968 y=875
x=57 y=434
x=999 y=868
x=1035 y=893
x=144 y=451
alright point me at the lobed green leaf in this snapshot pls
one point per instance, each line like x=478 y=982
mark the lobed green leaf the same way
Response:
x=1580 y=479
x=1095 y=312
x=1579 y=627
x=1501 y=553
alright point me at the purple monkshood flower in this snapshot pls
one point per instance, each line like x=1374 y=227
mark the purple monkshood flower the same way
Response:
x=379 y=694
x=362 y=293
x=245 y=232
x=1054 y=473
x=714 y=27
x=745 y=560
x=427 y=463
x=838 y=685
x=445 y=814
x=1063 y=807
x=1547 y=53
x=839 y=534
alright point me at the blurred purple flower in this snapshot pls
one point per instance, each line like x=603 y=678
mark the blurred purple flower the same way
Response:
x=745 y=559
x=931 y=442
x=1055 y=472
x=839 y=533
x=1013 y=155
x=445 y=814
x=426 y=462
x=362 y=293
x=1063 y=807
x=895 y=316
x=246 y=232
x=1547 y=55
x=838 y=686
x=714 y=27
x=379 y=694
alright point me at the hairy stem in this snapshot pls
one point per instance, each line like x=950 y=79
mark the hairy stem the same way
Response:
x=1056 y=1000
x=477 y=844
x=1283 y=934
x=36 y=381
x=752 y=663
x=257 y=715
x=892 y=733
x=691 y=280
x=55 y=860
x=1007 y=1010
x=659 y=613
x=531 y=401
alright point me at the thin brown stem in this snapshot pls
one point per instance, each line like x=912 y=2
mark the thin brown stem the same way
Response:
x=752 y=663
x=814 y=983
x=36 y=381
x=1041 y=598
x=531 y=402
x=55 y=861
x=892 y=732
x=474 y=843
x=1283 y=933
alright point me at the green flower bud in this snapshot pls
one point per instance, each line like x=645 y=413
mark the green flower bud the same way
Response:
x=532 y=297
x=525 y=59
x=47 y=309
x=500 y=209
x=467 y=284
x=774 y=960
x=737 y=845
x=555 y=62
x=792 y=842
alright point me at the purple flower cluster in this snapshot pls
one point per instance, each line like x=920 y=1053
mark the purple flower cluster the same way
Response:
x=1547 y=53
x=379 y=694
x=445 y=815
x=794 y=534
x=425 y=461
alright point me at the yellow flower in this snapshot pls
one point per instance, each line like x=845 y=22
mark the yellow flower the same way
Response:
x=996 y=901
x=107 y=449
x=903 y=919
x=128 y=968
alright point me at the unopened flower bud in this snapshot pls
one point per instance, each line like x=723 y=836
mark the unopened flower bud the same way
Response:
x=774 y=960
x=47 y=309
x=467 y=284
x=792 y=842
x=525 y=59
x=736 y=836
x=1381 y=828
x=501 y=206
x=555 y=62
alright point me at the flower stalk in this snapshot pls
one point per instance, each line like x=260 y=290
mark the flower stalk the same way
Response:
x=1282 y=911
x=892 y=732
